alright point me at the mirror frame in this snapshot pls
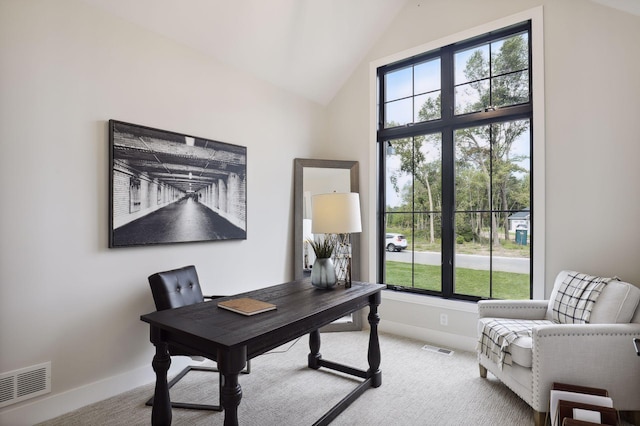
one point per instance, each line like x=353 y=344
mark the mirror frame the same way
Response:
x=354 y=323
x=300 y=165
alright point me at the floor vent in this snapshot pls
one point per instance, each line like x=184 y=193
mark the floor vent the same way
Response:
x=25 y=383
x=438 y=350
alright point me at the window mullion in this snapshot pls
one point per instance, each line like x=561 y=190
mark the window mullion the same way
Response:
x=413 y=211
x=448 y=174
x=381 y=101
x=492 y=211
x=381 y=219
x=448 y=212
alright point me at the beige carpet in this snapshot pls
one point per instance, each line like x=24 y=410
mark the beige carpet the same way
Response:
x=418 y=388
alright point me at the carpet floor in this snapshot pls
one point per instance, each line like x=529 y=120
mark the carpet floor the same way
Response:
x=419 y=387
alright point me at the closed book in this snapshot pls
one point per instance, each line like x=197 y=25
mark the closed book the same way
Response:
x=246 y=306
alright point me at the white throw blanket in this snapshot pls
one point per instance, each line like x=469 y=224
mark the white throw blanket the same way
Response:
x=498 y=334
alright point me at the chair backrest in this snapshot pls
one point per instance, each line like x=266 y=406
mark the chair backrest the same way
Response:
x=175 y=288
x=619 y=302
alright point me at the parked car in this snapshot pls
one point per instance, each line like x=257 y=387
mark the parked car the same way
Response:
x=395 y=242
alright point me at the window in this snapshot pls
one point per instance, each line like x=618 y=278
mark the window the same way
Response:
x=455 y=145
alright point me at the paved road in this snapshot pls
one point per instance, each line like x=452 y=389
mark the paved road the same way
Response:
x=470 y=261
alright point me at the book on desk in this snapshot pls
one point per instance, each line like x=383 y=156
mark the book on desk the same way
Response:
x=246 y=306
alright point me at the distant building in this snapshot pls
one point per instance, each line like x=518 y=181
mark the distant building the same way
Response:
x=519 y=220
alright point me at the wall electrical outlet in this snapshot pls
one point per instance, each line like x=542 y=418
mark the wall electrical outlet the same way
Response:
x=444 y=319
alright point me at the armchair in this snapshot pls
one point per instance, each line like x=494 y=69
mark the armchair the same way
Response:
x=538 y=346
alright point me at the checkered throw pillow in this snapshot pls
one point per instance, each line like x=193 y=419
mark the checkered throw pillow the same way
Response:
x=576 y=296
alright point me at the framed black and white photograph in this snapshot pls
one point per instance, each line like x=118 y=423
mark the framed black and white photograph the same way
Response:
x=168 y=187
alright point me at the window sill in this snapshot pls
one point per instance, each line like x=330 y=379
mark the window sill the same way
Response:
x=425 y=300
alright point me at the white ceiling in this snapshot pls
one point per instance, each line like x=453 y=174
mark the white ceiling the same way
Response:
x=309 y=47
x=630 y=6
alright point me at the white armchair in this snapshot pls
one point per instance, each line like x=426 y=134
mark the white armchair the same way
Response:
x=541 y=351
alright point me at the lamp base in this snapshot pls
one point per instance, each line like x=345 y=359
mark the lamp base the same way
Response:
x=323 y=274
x=347 y=279
x=342 y=258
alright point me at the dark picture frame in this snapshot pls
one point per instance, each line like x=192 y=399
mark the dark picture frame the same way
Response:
x=167 y=187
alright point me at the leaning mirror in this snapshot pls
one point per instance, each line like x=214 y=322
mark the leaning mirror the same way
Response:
x=313 y=177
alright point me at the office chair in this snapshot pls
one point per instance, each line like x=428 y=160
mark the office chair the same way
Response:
x=173 y=289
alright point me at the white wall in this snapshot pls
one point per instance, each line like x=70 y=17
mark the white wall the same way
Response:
x=66 y=68
x=592 y=64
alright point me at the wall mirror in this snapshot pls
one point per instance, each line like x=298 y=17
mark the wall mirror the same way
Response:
x=313 y=177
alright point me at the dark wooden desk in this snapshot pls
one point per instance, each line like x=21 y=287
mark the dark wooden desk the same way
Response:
x=231 y=339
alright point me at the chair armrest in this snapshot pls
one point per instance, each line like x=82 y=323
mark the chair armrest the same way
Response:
x=596 y=355
x=516 y=309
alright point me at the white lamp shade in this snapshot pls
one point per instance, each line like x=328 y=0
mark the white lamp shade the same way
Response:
x=336 y=213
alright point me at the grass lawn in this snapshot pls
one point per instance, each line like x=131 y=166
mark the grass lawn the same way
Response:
x=506 y=285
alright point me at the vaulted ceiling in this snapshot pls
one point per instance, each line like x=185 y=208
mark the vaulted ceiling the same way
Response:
x=308 y=47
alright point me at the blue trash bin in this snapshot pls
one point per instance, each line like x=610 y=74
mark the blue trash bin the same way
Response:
x=521 y=237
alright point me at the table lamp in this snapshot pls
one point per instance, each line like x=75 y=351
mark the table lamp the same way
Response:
x=338 y=213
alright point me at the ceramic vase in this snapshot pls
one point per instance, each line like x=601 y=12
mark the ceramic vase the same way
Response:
x=323 y=273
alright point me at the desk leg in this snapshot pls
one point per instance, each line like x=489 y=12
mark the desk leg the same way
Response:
x=230 y=364
x=161 y=412
x=373 y=354
x=314 y=345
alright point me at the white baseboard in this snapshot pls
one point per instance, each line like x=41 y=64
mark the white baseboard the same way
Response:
x=53 y=405
x=446 y=340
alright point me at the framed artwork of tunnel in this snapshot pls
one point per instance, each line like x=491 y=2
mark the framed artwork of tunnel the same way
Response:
x=168 y=187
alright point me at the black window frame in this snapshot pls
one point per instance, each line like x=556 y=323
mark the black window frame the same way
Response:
x=447 y=124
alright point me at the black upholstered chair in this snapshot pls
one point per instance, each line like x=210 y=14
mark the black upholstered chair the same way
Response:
x=173 y=289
